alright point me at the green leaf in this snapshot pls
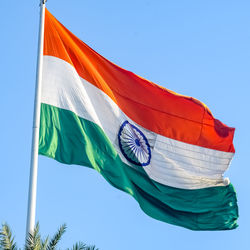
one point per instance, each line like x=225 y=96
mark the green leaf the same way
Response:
x=6 y=239
x=33 y=241
x=56 y=238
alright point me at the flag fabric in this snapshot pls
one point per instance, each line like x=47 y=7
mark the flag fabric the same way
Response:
x=165 y=149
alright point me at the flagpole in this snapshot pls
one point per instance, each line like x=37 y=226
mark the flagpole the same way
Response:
x=30 y=225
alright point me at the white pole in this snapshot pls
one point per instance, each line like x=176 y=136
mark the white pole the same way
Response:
x=36 y=123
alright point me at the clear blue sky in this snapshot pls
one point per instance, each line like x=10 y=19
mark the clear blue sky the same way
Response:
x=196 y=48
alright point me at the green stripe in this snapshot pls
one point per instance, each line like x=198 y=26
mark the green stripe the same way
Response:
x=70 y=139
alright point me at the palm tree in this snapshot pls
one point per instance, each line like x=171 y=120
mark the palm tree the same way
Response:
x=35 y=242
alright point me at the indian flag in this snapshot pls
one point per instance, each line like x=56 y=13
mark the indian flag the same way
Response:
x=164 y=149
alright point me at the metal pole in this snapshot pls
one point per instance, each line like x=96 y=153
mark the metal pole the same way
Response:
x=36 y=123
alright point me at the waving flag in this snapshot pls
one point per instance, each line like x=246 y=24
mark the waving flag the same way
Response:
x=164 y=149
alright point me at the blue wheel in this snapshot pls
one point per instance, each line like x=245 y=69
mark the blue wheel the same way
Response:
x=134 y=144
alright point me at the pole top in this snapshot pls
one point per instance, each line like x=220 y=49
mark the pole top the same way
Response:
x=43 y=1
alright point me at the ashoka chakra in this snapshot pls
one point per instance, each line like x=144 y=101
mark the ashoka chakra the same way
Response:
x=134 y=144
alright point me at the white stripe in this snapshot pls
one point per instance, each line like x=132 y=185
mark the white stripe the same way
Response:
x=173 y=163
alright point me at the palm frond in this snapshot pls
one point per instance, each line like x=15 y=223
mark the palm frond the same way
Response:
x=91 y=248
x=33 y=242
x=79 y=246
x=6 y=239
x=56 y=238
x=44 y=243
